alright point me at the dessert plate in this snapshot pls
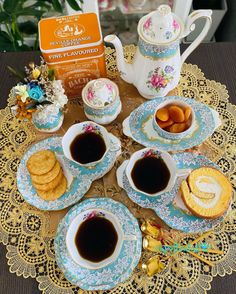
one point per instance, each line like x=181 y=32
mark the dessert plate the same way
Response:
x=175 y=214
x=116 y=272
x=139 y=126
x=79 y=180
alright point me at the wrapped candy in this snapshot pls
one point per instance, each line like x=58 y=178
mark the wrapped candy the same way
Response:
x=153 y=266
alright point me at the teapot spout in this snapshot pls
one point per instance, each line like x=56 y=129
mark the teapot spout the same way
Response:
x=125 y=69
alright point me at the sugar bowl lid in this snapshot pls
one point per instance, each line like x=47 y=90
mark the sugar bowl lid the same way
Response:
x=160 y=26
x=100 y=93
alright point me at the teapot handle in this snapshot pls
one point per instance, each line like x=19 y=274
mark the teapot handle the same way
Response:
x=190 y=26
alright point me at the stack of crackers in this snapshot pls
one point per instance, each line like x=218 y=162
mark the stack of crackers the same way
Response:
x=47 y=175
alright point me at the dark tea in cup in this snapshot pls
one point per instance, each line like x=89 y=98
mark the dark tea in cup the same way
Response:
x=150 y=174
x=96 y=239
x=88 y=147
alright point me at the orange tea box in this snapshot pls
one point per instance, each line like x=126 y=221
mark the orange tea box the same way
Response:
x=72 y=45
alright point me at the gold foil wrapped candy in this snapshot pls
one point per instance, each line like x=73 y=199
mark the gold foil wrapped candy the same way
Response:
x=153 y=266
x=151 y=244
x=148 y=228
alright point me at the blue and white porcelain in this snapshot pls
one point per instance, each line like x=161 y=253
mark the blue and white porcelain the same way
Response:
x=169 y=162
x=157 y=63
x=143 y=199
x=99 y=170
x=175 y=214
x=139 y=125
x=174 y=136
x=119 y=270
x=101 y=101
x=73 y=228
x=82 y=128
x=48 y=119
x=79 y=179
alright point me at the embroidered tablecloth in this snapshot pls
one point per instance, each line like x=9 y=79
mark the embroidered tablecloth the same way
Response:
x=28 y=232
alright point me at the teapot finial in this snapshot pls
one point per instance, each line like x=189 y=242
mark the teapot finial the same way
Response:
x=164 y=10
x=160 y=26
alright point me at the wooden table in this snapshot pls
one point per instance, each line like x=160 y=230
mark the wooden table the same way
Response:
x=217 y=61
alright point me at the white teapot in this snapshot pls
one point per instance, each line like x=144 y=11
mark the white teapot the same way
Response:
x=157 y=63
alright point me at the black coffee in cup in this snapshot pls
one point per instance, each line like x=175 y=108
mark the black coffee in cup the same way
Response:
x=150 y=174
x=87 y=147
x=96 y=239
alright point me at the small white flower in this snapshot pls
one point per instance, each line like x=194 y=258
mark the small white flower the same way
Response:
x=57 y=85
x=21 y=90
x=60 y=100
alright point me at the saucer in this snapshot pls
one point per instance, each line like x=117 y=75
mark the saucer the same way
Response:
x=100 y=169
x=139 y=126
x=116 y=272
x=140 y=198
x=77 y=186
x=174 y=214
x=79 y=180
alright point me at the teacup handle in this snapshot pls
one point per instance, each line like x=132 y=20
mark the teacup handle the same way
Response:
x=183 y=172
x=130 y=237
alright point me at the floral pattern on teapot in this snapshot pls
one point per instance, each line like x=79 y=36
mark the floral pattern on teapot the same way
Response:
x=159 y=78
x=157 y=62
x=149 y=29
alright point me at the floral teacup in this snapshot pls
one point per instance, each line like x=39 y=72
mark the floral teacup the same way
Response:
x=174 y=136
x=86 y=127
x=169 y=162
x=101 y=101
x=72 y=231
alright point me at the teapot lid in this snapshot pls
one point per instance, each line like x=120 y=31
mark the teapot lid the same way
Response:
x=160 y=26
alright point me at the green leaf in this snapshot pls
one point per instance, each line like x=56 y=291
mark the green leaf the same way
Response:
x=73 y=4
x=4 y=17
x=11 y=6
x=28 y=27
x=41 y=4
x=15 y=32
x=6 y=42
x=30 y=11
x=51 y=74
x=57 y=5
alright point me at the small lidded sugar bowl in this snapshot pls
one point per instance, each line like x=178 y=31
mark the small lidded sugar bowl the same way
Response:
x=101 y=101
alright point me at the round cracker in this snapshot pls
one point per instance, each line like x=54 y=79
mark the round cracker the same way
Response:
x=51 y=185
x=41 y=162
x=54 y=193
x=48 y=177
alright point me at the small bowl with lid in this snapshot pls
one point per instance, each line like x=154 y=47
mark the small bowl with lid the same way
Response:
x=101 y=101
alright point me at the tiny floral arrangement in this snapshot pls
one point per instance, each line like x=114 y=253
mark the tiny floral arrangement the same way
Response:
x=39 y=89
